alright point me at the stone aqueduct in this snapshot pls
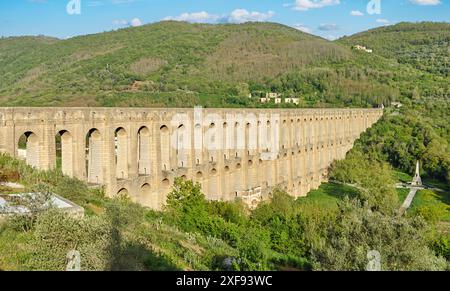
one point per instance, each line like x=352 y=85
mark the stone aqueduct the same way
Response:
x=140 y=151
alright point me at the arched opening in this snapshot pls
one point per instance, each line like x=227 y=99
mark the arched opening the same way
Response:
x=298 y=133
x=198 y=144
x=64 y=152
x=269 y=137
x=94 y=154
x=199 y=175
x=239 y=140
x=147 y=198
x=123 y=193
x=225 y=141
x=28 y=148
x=212 y=142
x=121 y=151
x=165 y=148
x=284 y=135
x=182 y=146
x=238 y=179
x=251 y=138
x=145 y=192
x=165 y=183
x=144 y=151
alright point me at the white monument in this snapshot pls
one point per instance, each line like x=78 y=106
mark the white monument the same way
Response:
x=417 y=181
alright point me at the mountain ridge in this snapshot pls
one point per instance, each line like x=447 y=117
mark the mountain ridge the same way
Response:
x=174 y=63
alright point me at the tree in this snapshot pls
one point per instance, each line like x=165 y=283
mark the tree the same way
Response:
x=359 y=230
x=186 y=205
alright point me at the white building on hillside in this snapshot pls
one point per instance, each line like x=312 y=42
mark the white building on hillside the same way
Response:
x=362 y=48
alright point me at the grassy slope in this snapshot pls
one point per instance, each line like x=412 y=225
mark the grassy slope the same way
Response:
x=180 y=64
x=161 y=247
x=424 y=46
x=163 y=57
x=328 y=195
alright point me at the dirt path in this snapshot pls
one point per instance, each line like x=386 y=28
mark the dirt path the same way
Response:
x=408 y=201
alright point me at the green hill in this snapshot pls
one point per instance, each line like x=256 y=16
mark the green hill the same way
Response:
x=179 y=64
x=156 y=58
x=425 y=46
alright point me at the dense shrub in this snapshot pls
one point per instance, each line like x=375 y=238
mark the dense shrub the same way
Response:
x=56 y=234
x=358 y=230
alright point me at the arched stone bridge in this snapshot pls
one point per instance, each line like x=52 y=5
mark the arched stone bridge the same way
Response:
x=232 y=153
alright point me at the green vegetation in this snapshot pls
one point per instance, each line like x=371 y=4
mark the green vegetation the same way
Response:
x=162 y=64
x=423 y=46
x=328 y=196
x=433 y=206
x=417 y=133
x=195 y=234
x=178 y=64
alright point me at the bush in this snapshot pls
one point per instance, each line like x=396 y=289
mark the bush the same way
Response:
x=56 y=234
x=254 y=249
x=401 y=242
x=373 y=178
x=441 y=246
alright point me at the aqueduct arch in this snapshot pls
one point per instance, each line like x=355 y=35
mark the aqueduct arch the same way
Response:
x=28 y=148
x=121 y=153
x=94 y=161
x=65 y=152
x=165 y=148
x=142 y=150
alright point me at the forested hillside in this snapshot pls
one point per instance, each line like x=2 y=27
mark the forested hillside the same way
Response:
x=425 y=46
x=147 y=63
x=179 y=64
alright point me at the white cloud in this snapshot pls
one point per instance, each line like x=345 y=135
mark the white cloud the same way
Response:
x=136 y=22
x=356 y=13
x=426 y=2
x=236 y=16
x=304 y=5
x=133 y=22
x=202 y=16
x=242 y=15
x=302 y=27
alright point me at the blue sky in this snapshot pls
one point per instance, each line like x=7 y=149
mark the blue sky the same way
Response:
x=326 y=18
